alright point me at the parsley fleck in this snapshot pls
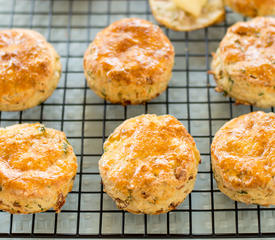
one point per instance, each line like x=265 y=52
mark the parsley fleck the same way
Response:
x=65 y=146
x=242 y=192
x=103 y=93
x=231 y=81
x=42 y=129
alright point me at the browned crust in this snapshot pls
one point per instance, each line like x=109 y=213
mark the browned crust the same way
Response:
x=129 y=62
x=252 y=8
x=250 y=46
x=37 y=168
x=130 y=50
x=29 y=66
x=243 y=154
x=244 y=64
x=149 y=164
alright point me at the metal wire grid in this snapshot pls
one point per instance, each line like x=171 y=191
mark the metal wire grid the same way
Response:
x=75 y=107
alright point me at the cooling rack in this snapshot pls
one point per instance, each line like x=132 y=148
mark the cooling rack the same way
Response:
x=87 y=120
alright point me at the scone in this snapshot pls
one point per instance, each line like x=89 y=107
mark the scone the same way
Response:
x=149 y=165
x=244 y=64
x=29 y=69
x=37 y=168
x=129 y=62
x=169 y=14
x=243 y=158
x=252 y=8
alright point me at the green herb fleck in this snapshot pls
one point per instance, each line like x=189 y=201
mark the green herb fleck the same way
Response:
x=261 y=94
x=42 y=209
x=16 y=204
x=65 y=147
x=242 y=192
x=238 y=43
x=213 y=173
x=129 y=198
x=119 y=95
x=106 y=149
x=42 y=129
x=220 y=74
x=225 y=93
x=231 y=81
x=103 y=93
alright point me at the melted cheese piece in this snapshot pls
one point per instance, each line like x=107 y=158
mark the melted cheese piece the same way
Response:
x=193 y=7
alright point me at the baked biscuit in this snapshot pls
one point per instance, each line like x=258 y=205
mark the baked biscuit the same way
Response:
x=167 y=13
x=252 y=8
x=129 y=62
x=149 y=165
x=244 y=64
x=243 y=158
x=37 y=168
x=29 y=69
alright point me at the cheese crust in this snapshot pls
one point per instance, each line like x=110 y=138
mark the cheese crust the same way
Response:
x=37 y=168
x=149 y=164
x=129 y=62
x=243 y=158
x=168 y=14
x=252 y=8
x=244 y=64
x=29 y=69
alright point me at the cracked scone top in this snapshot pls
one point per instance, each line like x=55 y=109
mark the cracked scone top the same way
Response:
x=149 y=164
x=244 y=64
x=37 y=168
x=243 y=158
x=29 y=69
x=129 y=62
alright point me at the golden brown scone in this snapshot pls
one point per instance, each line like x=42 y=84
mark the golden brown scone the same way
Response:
x=29 y=69
x=167 y=13
x=243 y=158
x=252 y=8
x=37 y=168
x=244 y=64
x=129 y=62
x=150 y=164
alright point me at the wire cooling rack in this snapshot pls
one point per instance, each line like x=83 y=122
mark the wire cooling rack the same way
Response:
x=87 y=120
